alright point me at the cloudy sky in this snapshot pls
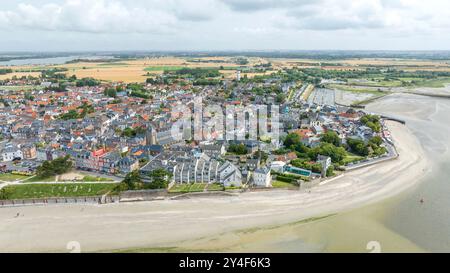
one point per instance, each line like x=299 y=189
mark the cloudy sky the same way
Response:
x=68 y=25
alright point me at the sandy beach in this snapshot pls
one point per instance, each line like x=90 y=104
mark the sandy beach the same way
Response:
x=181 y=223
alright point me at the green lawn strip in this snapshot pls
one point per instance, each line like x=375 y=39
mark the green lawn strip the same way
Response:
x=356 y=89
x=186 y=188
x=350 y=158
x=89 y=178
x=39 y=179
x=8 y=177
x=31 y=191
x=215 y=187
x=283 y=185
x=18 y=88
x=180 y=188
x=433 y=83
x=377 y=83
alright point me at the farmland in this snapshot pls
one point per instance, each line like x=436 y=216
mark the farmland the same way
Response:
x=136 y=70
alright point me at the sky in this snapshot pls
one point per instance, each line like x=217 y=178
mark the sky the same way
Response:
x=107 y=25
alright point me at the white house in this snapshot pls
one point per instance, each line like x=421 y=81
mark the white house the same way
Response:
x=229 y=175
x=10 y=153
x=277 y=166
x=262 y=178
x=326 y=162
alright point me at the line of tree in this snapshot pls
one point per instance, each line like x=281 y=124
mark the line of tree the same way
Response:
x=159 y=179
x=55 y=167
x=238 y=149
x=87 y=82
x=5 y=71
x=372 y=121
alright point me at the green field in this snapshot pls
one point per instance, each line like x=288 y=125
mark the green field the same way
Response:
x=433 y=83
x=283 y=185
x=400 y=82
x=18 y=88
x=53 y=190
x=376 y=83
x=89 y=178
x=215 y=187
x=7 y=177
x=38 y=179
x=350 y=158
x=356 y=89
x=186 y=188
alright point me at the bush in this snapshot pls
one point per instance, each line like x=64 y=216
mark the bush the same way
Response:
x=55 y=167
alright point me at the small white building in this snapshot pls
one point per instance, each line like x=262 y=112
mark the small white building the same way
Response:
x=277 y=166
x=10 y=153
x=326 y=162
x=262 y=178
x=229 y=175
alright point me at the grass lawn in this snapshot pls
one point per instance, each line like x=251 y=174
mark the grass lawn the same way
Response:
x=52 y=190
x=37 y=179
x=215 y=187
x=8 y=177
x=418 y=82
x=356 y=89
x=185 y=188
x=434 y=83
x=197 y=187
x=18 y=88
x=283 y=185
x=89 y=178
x=350 y=158
x=232 y=188
x=377 y=83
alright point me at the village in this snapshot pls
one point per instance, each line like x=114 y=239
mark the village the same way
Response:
x=111 y=130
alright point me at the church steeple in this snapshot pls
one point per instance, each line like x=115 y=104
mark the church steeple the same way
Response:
x=150 y=136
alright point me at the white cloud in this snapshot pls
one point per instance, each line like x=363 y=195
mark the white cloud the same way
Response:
x=102 y=16
x=257 y=5
x=399 y=15
x=198 y=23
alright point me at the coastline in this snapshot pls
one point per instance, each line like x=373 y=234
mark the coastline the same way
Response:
x=166 y=224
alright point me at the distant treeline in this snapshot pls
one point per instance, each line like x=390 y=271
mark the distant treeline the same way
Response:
x=313 y=54
x=5 y=71
x=310 y=54
x=93 y=61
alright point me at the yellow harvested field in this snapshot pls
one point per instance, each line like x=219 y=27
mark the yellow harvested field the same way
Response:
x=134 y=70
x=126 y=73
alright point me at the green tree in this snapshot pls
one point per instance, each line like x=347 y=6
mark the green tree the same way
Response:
x=132 y=181
x=55 y=167
x=110 y=92
x=160 y=179
x=238 y=149
x=358 y=147
x=291 y=140
x=332 y=138
x=6 y=193
x=337 y=154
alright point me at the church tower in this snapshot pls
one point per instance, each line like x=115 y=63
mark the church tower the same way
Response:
x=150 y=136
